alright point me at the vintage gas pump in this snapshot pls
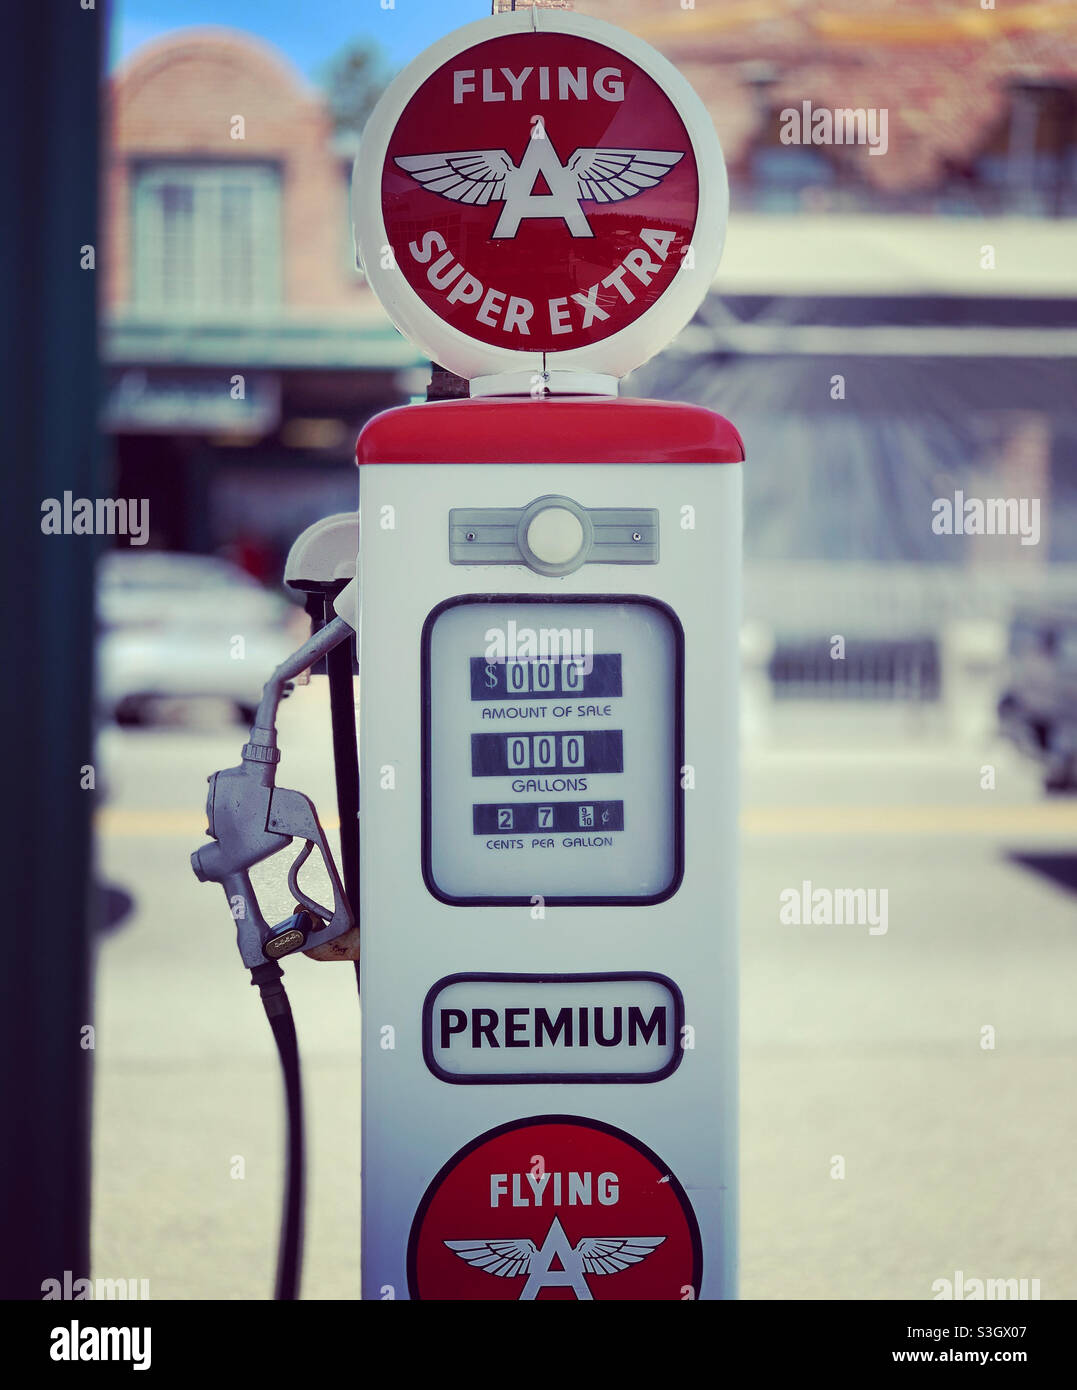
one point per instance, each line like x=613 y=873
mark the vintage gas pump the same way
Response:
x=547 y=608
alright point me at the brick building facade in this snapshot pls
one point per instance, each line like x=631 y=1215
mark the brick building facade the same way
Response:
x=217 y=98
x=981 y=97
x=243 y=349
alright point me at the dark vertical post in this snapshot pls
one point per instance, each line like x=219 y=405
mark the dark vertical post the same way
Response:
x=50 y=64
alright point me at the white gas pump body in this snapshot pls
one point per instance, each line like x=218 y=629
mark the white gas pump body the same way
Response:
x=548 y=834
x=414 y=1119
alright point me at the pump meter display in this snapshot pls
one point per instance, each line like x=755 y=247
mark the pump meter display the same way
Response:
x=552 y=750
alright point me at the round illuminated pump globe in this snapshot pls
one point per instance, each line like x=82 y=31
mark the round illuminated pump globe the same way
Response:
x=555 y=535
x=540 y=192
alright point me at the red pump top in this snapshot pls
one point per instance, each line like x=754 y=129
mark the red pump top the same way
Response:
x=518 y=430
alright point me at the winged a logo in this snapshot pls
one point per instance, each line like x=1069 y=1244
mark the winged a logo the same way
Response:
x=593 y=1255
x=481 y=177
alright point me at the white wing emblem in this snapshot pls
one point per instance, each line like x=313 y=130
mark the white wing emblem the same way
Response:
x=469 y=176
x=595 y=1254
x=609 y=176
x=505 y=1258
x=609 y=1254
x=478 y=176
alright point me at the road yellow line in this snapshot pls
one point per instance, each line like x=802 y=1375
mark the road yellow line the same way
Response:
x=119 y=822
x=1051 y=818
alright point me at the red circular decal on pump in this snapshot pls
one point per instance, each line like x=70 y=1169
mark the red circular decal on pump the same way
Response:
x=555 y=1207
x=539 y=191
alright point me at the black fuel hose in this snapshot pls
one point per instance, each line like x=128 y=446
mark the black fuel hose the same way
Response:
x=338 y=666
x=268 y=978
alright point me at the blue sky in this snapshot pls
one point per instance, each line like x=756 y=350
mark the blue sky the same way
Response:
x=308 y=31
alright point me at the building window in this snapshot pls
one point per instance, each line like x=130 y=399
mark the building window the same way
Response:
x=790 y=178
x=1029 y=164
x=207 y=238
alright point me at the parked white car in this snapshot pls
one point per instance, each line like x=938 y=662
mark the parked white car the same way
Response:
x=187 y=626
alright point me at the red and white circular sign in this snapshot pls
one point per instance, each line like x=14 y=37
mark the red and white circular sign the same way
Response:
x=540 y=184
x=555 y=1206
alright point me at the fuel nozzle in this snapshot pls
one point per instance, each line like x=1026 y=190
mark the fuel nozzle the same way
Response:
x=249 y=819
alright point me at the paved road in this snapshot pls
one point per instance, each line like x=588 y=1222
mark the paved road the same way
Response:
x=862 y=1045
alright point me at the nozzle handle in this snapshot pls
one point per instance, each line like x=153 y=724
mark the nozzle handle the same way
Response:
x=251 y=927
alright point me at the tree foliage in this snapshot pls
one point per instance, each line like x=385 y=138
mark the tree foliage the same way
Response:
x=353 y=80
